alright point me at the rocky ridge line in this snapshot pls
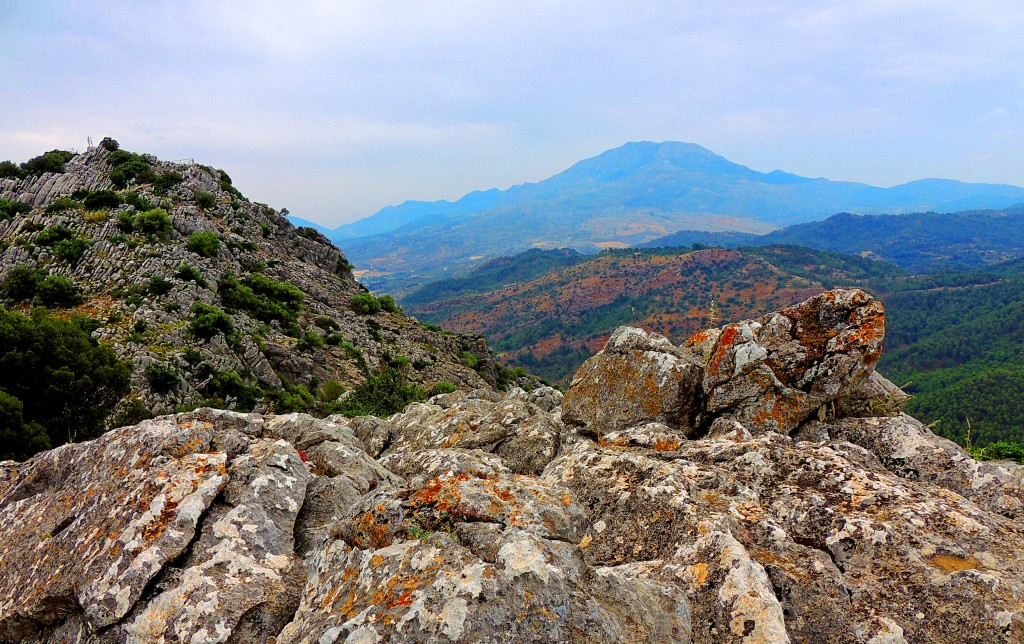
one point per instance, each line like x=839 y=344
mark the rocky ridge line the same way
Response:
x=756 y=484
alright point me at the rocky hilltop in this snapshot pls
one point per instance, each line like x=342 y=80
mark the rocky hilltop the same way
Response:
x=211 y=297
x=757 y=483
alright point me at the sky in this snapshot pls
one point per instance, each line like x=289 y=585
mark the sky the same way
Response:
x=336 y=109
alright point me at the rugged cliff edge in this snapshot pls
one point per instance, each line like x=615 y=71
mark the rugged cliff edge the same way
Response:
x=757 y=484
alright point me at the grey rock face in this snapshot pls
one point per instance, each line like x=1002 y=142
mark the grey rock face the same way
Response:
x=484 y=518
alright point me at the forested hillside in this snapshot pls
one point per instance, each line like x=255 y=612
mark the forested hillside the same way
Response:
x=962 y=351
x=956 y=337
x=918 y=242
x=564 y=305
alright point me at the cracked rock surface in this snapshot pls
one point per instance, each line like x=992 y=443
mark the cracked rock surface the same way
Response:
x=772 y=492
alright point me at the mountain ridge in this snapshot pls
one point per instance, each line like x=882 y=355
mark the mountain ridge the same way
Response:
x=622 y=197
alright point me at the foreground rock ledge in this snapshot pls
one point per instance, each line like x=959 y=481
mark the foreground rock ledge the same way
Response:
x=756 y=484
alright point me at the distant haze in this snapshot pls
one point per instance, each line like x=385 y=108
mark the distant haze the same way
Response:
x=338 y=109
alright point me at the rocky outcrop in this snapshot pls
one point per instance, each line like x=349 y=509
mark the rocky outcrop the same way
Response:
x=149 y=325
x=482 y=517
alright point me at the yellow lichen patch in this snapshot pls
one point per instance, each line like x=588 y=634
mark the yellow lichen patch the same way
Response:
x=585 y=541
x=699 y=574
x=665 y=445
x=952 y=563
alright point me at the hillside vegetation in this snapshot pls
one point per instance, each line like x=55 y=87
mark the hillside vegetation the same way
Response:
x=551 y=322
x=956 y=337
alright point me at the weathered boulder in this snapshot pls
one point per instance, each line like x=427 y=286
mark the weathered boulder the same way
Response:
x=86 y=527
x=774 y=373
x=638 y=377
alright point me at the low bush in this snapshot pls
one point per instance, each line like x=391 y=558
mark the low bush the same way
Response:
x=98 y=198
x=188 y=273
x=162 y=378
x=443 y=387
x=128 y=168
x=10 y=170
x=310 y=340
x=264 y=298
x=205 y=200
x=159 y=285
x=207 y=321
x=57 y=385
x=71 y=250
x=153 y=222
x=58 y=291
x=205 y=244
x=62 y=204
x=166 y=180
x=52 y=161
x=388 y=304
x=22 y=282
x=54 y=234
x=9 y=209
x=382 y=394
x=365 y=303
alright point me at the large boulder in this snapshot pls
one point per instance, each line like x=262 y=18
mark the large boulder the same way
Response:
x=638 y=377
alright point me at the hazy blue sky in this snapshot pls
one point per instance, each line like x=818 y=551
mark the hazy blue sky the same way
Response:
x=336 y=109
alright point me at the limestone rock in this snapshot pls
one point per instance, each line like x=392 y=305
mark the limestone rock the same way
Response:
x=639 y=377
x=772 y=374
x=86 y=527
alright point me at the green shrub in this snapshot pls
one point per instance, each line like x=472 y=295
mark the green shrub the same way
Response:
x=205 y=244
x=443 y=387
x=9 y=209
x=326 y=323
x=309 y=340
x=330 y=391
x=57 y=290
x=56 y=384
x=205 y=200
x=52 y=161
x=207 y=321
x=22 y=282
x=10 y=170
x=264 y=298
x=265 y=228
x=109 y=144
x=999 y=451
x=140 y=203
x=159 y=285
x=365 y=303
x=382 y=394
x=334 y=338
x=162 y=378
x=98 y=199
x=54 y=234
x=293 y=398
x=153 y=222
x=128 y=168
x=228 y=384
x=62 y=204
x=71 y=250
x=388 y=304
x=125 y=222
x=469 y=359
x=188 y=273
x=166 y=180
